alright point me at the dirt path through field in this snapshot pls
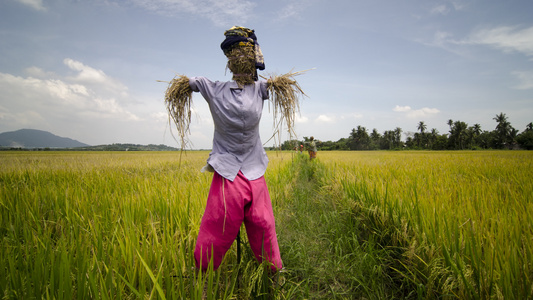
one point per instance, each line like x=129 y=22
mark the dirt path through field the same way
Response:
x=316 y=239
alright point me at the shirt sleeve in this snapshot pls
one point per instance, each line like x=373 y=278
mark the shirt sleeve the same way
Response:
x=203 y=85
x=264 y=89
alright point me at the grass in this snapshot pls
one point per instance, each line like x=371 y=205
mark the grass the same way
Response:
x=457 y=223
x=363 y=225
x=87 y=225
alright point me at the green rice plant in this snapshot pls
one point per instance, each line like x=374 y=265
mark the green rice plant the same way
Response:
x=106 y=225
x=456 y=214
x=350 y=225
x=70 y=223
x=322 y=254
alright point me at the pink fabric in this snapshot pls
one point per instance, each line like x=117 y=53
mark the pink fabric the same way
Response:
x=228 y=205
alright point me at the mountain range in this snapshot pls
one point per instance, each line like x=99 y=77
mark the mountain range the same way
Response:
x=32 y=138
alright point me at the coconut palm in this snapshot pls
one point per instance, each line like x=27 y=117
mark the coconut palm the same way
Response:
x=433 y=137
x=422 y=136
x=458 y=135
x=422 y=127
x=398 y=136
x=359 y=138
x=504 y=131
x=375 y=137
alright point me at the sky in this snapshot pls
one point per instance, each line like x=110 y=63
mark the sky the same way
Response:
x=91 y=70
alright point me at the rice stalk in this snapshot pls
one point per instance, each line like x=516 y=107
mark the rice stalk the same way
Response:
x=241 y=62
x=285 y=94
x=178 y=100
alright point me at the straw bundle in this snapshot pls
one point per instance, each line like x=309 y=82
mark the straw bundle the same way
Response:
x=241 y=62
x=284 y=93
x=178 y=100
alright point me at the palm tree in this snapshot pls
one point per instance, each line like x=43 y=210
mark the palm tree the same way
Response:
x=504 y=131
x=433 y=137
x=422 y=137
x=501 y=119
x=388 y=139
x=359 y=138
x=375 y=134
x=398 y=136
x=476 y=131
x=422 y=127
x=461 y=133
x=375 y=137
x=458 y=134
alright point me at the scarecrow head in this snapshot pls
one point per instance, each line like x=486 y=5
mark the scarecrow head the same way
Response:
x=243 y=53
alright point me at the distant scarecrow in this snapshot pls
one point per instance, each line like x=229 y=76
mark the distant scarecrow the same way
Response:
x=311 y=148
x=238 y=190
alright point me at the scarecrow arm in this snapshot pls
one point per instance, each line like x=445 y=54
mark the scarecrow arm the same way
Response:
x=178 y=100
x=285 y=93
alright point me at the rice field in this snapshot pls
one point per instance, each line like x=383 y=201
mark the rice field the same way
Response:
x=373 y=225
x=463 y=220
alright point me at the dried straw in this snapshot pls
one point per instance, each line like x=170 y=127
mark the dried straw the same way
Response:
x=241 y=62
x=285 y=93
x=178 y=100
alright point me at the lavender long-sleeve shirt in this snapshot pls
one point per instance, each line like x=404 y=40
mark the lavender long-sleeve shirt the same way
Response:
x=236 y=113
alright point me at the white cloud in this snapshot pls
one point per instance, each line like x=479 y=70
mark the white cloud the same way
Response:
x=301 y=119
x=219 y=12
x=85 y=73
x=440 y=9
x=324 y=119
x=401 y=108
x=38 y=72
x=161 y=117
x=35 y=4
x=525 y=78
x=73 y=95
x=292 y=9
x=95 y=79
x=26 y=119
x=446 y=8
x=350 y=116
x=505 y=38
x=289 y=11
x=443 y=40
x=459 y=4
x=110 y=108
x=418 y=113
x=41 y=101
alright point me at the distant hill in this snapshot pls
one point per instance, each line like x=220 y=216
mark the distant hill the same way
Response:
x=31 y=138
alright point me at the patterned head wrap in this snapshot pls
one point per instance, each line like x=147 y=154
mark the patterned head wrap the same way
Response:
x=238 y=36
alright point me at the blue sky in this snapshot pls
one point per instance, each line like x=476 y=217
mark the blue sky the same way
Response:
x=89 y=70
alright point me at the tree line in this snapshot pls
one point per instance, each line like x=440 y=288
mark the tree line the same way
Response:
x=461 y=136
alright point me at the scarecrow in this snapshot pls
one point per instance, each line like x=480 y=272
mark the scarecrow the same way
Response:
x=238 y=190
x=311 y=148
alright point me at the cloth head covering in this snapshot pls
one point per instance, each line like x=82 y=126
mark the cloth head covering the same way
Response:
x=238 y=36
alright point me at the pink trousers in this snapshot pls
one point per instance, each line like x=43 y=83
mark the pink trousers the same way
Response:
x=228 y=205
